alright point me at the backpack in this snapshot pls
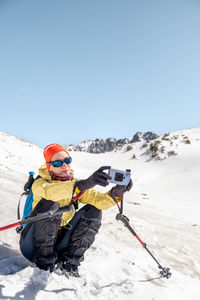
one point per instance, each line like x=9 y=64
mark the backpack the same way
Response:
x=29 y=199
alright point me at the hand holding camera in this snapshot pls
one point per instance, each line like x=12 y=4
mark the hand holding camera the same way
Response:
x=119 y=190
x=122 y=179
x=97 y=178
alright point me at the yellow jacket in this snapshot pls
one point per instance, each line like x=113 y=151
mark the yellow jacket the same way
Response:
x=61 y=191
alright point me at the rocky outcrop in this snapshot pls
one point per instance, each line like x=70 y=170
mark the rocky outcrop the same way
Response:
x=110 y=144
x=147 y=136
x=101 y=146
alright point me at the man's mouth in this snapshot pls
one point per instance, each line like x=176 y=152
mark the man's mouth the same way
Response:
x=64 y=174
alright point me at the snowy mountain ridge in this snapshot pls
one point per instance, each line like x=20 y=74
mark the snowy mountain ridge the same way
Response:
x=110 y=144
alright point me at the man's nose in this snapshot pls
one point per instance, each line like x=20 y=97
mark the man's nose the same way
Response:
x=66 y=166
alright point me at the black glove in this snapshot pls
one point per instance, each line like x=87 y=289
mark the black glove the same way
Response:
x=97 y=178
x=119 y=190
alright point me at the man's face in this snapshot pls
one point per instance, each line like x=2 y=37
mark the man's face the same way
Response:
x=64 y=169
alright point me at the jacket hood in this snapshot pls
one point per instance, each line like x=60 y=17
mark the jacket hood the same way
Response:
x=44 y=173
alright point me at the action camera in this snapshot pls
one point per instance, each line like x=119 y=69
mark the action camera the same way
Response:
x=119 y=177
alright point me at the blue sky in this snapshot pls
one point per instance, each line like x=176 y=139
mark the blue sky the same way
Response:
x=74 y=70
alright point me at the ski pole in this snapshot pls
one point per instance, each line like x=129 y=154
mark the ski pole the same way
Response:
x=43 y=216
x=39 y=217
x=165 y=272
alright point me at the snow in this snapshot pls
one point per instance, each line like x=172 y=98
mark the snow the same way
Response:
x=163 y=208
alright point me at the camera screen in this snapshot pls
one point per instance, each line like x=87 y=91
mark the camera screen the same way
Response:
x=119 y=177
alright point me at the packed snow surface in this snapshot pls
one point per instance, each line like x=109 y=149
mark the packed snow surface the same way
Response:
x=163 y=207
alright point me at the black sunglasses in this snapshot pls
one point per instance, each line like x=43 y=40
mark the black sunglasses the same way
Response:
x=59 y=163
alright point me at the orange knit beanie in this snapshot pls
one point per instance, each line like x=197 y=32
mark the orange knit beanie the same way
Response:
x=52 y=149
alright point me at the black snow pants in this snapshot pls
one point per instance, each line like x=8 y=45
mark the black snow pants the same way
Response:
x=46 y=243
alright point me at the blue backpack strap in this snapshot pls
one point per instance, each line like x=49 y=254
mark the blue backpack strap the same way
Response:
x=28 y=205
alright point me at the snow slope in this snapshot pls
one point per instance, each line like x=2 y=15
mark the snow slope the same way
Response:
x=163 y=207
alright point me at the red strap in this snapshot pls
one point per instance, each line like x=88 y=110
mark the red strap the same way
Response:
x=77 y=196
x=120 y=199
